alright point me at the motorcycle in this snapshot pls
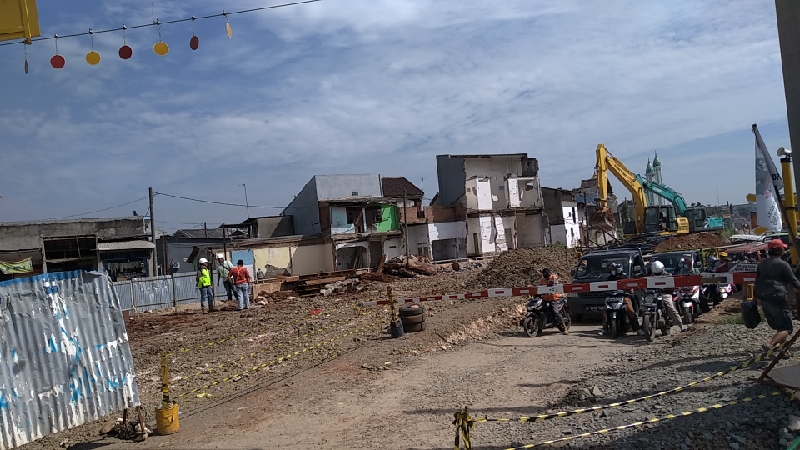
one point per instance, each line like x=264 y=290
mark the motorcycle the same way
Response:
x=617 y=313
x=688 y=303
x=654 y=315
x=540 y=316
x=713 y=294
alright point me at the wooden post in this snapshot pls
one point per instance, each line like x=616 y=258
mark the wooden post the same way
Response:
x=405 y=219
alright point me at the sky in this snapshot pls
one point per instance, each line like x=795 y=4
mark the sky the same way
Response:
x=378 y=86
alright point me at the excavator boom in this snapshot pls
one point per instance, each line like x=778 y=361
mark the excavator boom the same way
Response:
x=603 y=218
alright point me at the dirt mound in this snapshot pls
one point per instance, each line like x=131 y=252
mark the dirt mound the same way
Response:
x=521 y=267
x=689 y=241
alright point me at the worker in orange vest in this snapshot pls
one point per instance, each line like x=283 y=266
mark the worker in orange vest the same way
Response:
x=555 y=300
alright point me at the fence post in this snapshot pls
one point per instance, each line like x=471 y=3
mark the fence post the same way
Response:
x=174 y=293
x=133 y=298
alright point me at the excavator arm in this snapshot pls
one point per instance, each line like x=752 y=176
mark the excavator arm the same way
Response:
x=665 y=192
x=606 y=162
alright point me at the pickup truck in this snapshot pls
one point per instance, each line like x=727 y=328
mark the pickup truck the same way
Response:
x=593 y=268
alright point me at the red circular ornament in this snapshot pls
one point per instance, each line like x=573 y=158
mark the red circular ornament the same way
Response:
x=57 y=61
x=125 y=52
x=194 y=42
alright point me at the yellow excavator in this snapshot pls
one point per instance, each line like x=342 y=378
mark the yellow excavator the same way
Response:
x=661 y=220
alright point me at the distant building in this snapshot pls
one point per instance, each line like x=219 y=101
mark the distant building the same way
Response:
x=119 y=246
x=653 y=175
x=562 y=213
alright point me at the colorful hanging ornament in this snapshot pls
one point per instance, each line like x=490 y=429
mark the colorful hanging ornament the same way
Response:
x=227 y=24
x=93 y=58
x=125 y=52
x=160 y=48
x=194 y=42
x=25 y=46
x=57 y=61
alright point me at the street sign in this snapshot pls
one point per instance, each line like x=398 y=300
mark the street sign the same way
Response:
x=744 y=267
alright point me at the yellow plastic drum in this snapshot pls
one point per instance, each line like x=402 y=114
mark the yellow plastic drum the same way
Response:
x=167 y=420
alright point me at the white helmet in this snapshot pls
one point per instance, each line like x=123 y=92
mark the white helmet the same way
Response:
x=657 y=267
x=220 y=256
x=203 y=261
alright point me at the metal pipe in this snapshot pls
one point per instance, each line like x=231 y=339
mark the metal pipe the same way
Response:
x=790 y=205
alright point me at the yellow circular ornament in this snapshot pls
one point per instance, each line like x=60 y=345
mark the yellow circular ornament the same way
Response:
x=161 y=48
x=93 y=58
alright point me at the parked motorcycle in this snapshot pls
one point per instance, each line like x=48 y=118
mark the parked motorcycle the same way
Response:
x=687 y=301
x=540 y=316
x=617 y=313
x=654 y=315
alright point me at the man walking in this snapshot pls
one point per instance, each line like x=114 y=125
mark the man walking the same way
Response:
x=772 y=277
x=223 y=269
x=204 y=284
x=240 y=277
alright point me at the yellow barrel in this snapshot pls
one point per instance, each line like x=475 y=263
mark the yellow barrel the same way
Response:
x=167 y=420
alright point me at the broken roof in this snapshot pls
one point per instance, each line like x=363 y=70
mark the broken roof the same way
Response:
x=395 y=186
x=199 y=233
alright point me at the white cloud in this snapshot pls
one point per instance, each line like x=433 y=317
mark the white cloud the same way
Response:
x=384 y=86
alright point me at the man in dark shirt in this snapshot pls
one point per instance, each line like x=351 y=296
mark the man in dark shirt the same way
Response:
x=772 y=276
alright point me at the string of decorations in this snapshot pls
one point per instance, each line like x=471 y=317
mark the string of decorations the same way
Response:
x=160 y=48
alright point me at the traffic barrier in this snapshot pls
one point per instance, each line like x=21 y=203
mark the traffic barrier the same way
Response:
x=271 y=347
x=653 y=420
x=244 y=334
x=290 y=355
x=577 y=288
x=543 y=417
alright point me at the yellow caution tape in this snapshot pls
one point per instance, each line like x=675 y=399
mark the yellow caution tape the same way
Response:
x=542 y=417
x=280 y=360
x=241 y=335
x=653 y=420
x=271 y=347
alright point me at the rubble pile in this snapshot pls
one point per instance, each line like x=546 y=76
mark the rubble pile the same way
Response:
x=348 y=286
x=407 y=267
x=522 y=267
x=707 y=239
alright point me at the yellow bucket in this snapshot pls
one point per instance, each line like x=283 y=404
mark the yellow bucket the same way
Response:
x=167 y=420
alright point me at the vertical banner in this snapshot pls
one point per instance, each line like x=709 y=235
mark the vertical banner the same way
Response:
x=767 y=182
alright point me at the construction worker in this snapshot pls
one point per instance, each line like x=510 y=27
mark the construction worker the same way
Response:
x=204 y=284
x=241 y=279
x=223 y=269
x=555 y=300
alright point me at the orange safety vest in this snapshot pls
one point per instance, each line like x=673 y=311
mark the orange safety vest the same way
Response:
x=544 y=282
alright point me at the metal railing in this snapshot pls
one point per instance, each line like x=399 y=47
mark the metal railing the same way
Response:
x=145 y=294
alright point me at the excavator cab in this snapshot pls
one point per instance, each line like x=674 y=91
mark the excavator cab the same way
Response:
x=663 y=220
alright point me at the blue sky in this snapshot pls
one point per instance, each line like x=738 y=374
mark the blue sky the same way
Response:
x=354 y=86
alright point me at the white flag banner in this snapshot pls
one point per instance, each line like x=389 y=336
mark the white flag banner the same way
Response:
x=767 y=212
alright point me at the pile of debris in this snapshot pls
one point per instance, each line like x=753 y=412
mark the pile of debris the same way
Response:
x=401 y=266
x=347 y=286
x=523 y=267
x=708 y=239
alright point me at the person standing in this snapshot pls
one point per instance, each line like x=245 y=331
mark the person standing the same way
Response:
x=240 y=278
x=204 y=284
x=773 y=274
x=223 y=269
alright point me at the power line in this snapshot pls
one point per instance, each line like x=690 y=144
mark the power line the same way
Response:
x=105 y=209
x=156 y=22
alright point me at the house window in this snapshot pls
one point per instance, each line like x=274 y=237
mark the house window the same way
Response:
x=378 y=216
x=354 y=194
x=351 y=215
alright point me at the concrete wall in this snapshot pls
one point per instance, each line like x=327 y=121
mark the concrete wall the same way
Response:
x=479 y=194
x=268 y=227
x=485 y=231
x=495 y=170
x=274 y=256
x=331 y=187
x=393 y=248
x=304 y=210
x=26 y=235
x=452 y=235
x=510 y=230
x=310 y=259
x=451 y=176
x=530 y=231
x=339 y=221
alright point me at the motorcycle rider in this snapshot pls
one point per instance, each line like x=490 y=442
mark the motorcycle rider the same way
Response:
x=684 y=266
x=615 y=274
x=722 y=265
x=555 y=300
x=657 y=269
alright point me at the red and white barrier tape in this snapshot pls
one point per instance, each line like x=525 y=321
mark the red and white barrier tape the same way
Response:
x=602 y=286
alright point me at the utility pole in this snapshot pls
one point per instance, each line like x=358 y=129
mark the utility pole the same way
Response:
x=225 y=242
x=405 y=219
x=154 y=264
x=205 y=229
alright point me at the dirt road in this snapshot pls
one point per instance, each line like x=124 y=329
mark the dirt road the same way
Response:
x=384 y=395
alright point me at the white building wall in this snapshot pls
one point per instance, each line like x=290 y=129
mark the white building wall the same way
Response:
x=393 y=248
x=479 y=194
x=481 y=231
x=530 y=231
x=495 y=170
x=510 y=230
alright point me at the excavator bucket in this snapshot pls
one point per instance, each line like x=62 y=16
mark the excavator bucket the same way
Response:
x=603 y=219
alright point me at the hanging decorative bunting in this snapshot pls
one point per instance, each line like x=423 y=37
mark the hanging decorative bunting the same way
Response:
x=227 y=24
x=26 y=57
x=57 y=61
x=160 y=48
x=194 y=42
x=93 y=58
x=125 y=52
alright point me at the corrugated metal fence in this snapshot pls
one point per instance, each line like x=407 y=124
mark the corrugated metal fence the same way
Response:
x=143 y=294
x=64 y=355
